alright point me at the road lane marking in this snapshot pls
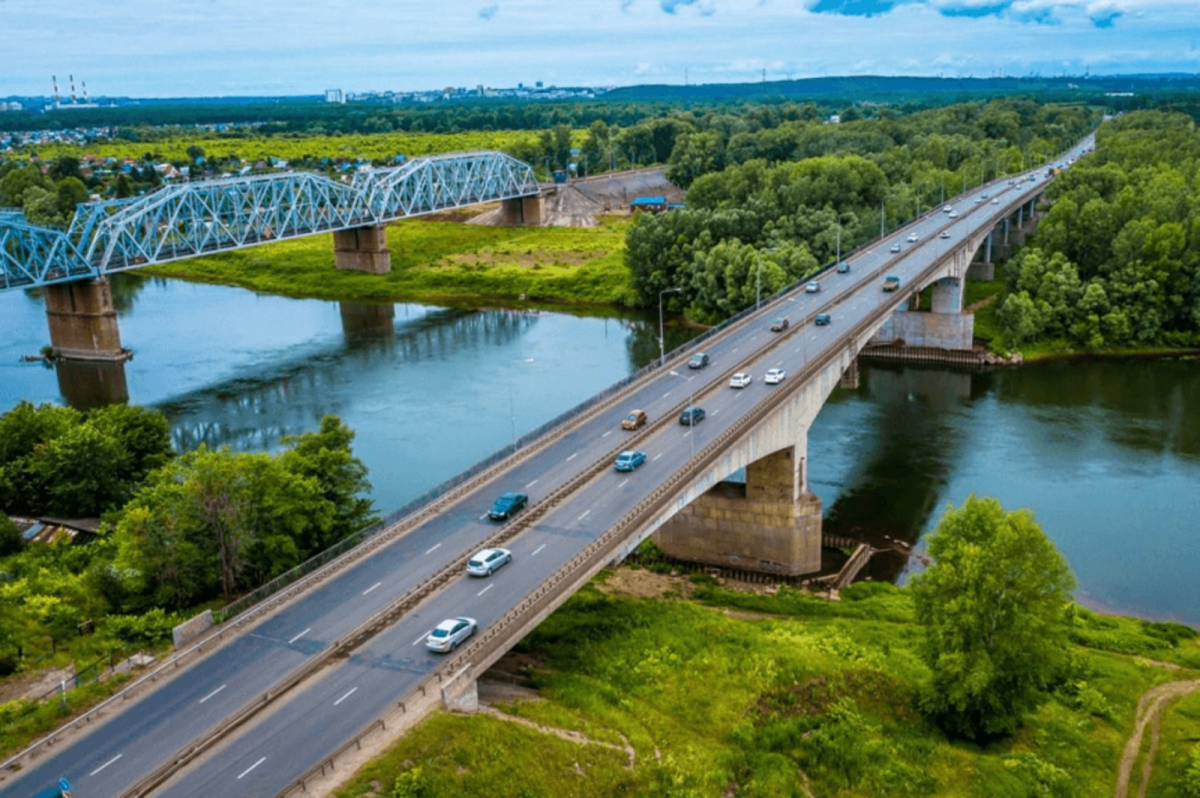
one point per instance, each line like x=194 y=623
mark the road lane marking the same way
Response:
x=665 y=395
x=655 y=457
x=718 y=410
x=797 y=349
x=791 y=299
x=605 y=435
x=691 y=378
x=623 y=484
x=531 y=484
x=252 y=767
x=585 y=515
x=106 y=764
x=689 y=432
x=486 y=589
x=480 y=518
x=572 y=457
x=419 y=639
x=780 y=363
x=377 y=584
x=302 y=634
x=435 y=548
x=755 y=338
x=735 y=351
x=539 y=548
x=340 y=700
x=213 y=693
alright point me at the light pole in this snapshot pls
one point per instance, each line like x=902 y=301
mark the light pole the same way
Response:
x=661 y=350
x=691 y=403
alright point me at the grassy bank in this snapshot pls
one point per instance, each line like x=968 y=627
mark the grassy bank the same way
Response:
x=435 y=260
x=694 y=689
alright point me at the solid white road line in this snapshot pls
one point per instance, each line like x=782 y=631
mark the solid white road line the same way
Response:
x=252 y=767
x=106 y=764
x=585 y=515
x=435 y=548
x=302 y=634
x=486 y=589
x=531 y=484
x=572 y=457
x=655 y=457
x=347 y=695
x=372 y=587
x=213 y=693
x=605 y=435
x=623 y=484
x=539 y=548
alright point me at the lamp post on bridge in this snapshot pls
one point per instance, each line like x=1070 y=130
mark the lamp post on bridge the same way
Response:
x=662 y=353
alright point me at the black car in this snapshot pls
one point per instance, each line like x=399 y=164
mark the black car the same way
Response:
x=507 y=506
x=698 y=361
x=691 y=416
x=822 y=319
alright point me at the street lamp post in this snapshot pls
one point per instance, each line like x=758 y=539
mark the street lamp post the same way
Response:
x=662 y=354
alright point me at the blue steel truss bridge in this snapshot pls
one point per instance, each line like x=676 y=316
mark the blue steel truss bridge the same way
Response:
x=198 y=218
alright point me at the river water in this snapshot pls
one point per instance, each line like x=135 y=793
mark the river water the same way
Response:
x=1105 y=453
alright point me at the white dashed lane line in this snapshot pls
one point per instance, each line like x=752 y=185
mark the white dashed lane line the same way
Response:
x=665 y=395
x=585 y=515
x=420 y=639
x=539 y=548
x=605 y=435
x=377 y=584
x=106 y=764
x=623 y=484
x=347 y=695
x=531 y=484
x=655 y=457
x=213 y=693
x=718 y=410
x=572 y=457
x=252 y=767
x=302 y=634
x=438 y=545
x=486 y=589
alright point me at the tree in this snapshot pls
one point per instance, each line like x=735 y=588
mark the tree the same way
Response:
x=10 y=536
x=993 y=606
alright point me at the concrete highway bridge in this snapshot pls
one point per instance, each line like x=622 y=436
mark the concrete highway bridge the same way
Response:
x=188 y=220
x=270 y=701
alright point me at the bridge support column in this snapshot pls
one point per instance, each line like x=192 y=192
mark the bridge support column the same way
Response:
x=526 y=211
x=461 y=694
x=772 y=525
x=363 y=249
x=850 y=376
x=984 y=269
x=83 y=321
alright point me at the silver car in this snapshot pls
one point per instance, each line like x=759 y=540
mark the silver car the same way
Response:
x=487 y=561
x=449 y=633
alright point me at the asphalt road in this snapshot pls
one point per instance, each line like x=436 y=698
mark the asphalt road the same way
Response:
x=324 y=712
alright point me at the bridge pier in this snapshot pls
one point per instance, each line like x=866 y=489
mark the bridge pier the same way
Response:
x=83 y=321
x=363 y=249
x=522 y=211
x=771 y=525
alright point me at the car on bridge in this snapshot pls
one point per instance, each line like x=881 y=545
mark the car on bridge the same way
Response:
x=912 y=238
x=812 y=288
x=894 y=248
x=843 y=267
x=486 y=562
x=698 y=361
x=691 y=416
x=740 y=380
x=779 y=325
x=953 y=214
x=448 y=634
x=945 y=234
x=635 y=419
x=507 y=506
x=996 y=201
x=948 y=209
x=822 y=319
x=628 y=461
x=774 y=376
x=891 y=282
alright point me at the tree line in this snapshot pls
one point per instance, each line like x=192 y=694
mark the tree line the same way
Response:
x=177 y=531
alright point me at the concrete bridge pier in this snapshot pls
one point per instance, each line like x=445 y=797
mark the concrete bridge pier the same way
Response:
x=522 y=211
x=83 y=321
x=771 y=524
x=363 y=249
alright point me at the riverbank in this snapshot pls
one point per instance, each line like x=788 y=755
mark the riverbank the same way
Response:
x=435 y=261
x=654 y=684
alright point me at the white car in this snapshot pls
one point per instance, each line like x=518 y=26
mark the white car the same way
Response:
x=487 y=561
x=912 y=238
x=953 y=214
x=449 y=633
x=812 y=288
x=894 y=248
x=740 y=380
x=948 y=209
x=945 y=234
x=774 y=376
x=996 y=201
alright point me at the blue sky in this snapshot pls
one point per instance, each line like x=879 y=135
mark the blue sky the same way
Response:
x=156 y=48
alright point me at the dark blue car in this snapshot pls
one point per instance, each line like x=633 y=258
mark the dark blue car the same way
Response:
x=691 y=416
x=507 y=506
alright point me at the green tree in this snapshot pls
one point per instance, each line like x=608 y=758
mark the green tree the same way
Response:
x=993 y=608
x=10 y=536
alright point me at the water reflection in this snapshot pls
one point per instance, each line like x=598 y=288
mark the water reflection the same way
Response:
x=87 y=384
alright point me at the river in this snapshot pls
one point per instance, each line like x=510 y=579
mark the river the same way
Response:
x=1105 y=453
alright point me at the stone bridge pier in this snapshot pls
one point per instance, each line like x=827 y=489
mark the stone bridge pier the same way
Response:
x=83 y=321
x=363 y=249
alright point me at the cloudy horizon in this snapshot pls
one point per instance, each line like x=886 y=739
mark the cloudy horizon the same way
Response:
x=139 y=48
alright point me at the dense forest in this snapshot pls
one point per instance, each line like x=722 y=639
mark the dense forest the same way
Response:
x=1116 y=259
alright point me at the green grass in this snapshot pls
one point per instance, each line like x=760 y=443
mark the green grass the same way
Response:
x=790 y=689
x=435 y=260
x=20 y=727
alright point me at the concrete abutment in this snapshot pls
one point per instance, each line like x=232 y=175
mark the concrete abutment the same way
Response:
x=526 y=211
x=362 y=249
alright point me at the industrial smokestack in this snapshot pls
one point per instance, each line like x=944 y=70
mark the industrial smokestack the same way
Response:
x=54 y=80
x=72 y=77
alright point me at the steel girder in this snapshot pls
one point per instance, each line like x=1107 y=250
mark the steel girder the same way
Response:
x=191 y=219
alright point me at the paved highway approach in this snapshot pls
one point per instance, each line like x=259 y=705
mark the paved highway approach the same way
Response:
x=268 y=753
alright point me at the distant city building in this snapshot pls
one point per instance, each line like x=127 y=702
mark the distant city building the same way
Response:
x=334 y=96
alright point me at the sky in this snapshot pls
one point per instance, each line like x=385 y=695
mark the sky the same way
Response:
x=167 y=48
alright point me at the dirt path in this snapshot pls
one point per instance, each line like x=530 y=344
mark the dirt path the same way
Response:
x=1149 y=705
x=565 y=734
